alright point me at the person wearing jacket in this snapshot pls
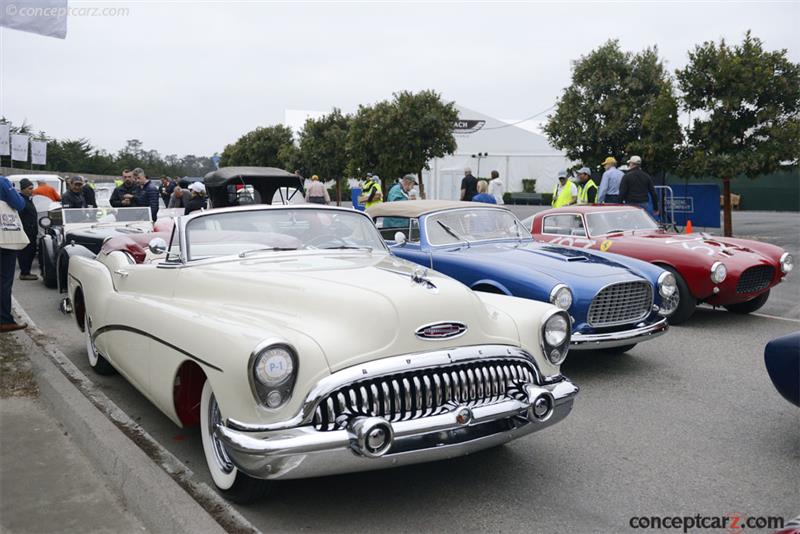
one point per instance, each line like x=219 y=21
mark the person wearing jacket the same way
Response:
x=73 y=196
x=8 y=260
x=637 y=186
x=30 y=223
x=124 y=194
x=147 y=194
x=198 y=200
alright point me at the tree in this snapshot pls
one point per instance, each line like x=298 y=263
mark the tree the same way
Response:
x=263 y=147
x=618 y=103
x=746 y=107
x=402 y=136
x=323 y=146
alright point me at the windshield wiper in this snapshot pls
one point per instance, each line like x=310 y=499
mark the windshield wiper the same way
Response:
x=348 y=247
x=244 y=253
x=452 y=232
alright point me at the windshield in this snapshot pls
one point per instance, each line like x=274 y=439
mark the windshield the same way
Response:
x=470 y=225
x=106 y=215
x=274 y=230
x=606 y=222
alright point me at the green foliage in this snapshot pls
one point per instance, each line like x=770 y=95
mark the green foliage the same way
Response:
x=617 y=104
x=269 y=146
x=745 y=104
x=80 y=156
x=528 y=185
x=323 y=146
x=393 y=138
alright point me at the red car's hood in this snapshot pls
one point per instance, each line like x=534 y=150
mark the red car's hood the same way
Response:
x=704 y=246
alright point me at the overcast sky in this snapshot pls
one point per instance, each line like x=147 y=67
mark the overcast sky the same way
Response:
x=190 y=77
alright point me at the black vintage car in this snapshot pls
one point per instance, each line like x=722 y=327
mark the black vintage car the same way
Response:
x=82 y=232
x=236 y=186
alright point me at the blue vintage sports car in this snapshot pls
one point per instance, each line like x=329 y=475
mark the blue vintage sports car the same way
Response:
x=615 y=302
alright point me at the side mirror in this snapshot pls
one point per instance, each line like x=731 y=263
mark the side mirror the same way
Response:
x=399 y=239
x=157 y=246
x=45 y=222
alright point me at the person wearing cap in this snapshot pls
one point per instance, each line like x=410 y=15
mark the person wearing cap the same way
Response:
x=371 y=193
x=46 y=191
x=198 y=200
x=565 y=192
x=608 y=192
x=399 y=192
x=29 y=219
x=637 y=187
x=73 y=196
x=317 y=193
x=587 y=189
x=469 y=185
x=483 y=195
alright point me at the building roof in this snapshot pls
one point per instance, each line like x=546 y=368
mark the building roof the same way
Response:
x=415 y=208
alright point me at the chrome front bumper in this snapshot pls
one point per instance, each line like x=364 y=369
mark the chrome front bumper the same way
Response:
x=303 y=451
x=618 y=339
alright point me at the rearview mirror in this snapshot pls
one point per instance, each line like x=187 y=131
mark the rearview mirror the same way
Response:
x=157 y=245
x=399 y=239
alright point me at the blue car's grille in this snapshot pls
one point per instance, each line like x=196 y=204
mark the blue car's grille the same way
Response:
x=623 y=303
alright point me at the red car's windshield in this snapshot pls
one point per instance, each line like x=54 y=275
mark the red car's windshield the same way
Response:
x=609 y=221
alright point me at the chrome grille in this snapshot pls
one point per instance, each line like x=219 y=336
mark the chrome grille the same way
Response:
x=755 y=279
x=622 y=303
x=424 y=392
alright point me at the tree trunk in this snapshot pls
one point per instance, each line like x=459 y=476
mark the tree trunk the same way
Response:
x=726 y=208
x=421 y=185
x=338 y=191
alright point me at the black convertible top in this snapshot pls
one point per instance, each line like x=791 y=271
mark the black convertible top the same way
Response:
x=223 y=185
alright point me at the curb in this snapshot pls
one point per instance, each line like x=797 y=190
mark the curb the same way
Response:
x=152 y=483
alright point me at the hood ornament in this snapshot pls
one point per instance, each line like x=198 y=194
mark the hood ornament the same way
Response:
x=442 y=330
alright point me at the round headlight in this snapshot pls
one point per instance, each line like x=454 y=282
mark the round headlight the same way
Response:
x=667 y=286
x=561 y=296
x=556 y=330
x=274 y=366
x=718 y=272
x=787 y=263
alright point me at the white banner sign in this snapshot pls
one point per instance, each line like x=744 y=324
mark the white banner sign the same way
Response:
x=5 y=140
x=39 y=152
x=45 y=17
x=19 y=147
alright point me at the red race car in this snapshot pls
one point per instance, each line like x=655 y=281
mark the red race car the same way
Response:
x=734 y=273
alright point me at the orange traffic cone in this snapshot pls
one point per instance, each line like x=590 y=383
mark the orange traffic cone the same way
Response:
x=688 y=229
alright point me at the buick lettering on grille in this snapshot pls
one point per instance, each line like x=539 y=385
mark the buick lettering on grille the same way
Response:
x=441 y=330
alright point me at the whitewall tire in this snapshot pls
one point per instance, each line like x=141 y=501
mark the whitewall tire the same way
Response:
x=96 y=360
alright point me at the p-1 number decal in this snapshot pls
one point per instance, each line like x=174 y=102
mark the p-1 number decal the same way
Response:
x=570 y=241
x=691 y=243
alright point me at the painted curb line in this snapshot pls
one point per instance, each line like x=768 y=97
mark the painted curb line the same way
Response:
x=152 y=483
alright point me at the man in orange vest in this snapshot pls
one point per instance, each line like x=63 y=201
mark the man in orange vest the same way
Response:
x=46 y=191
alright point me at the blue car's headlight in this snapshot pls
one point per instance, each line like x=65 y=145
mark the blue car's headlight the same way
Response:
x=561 y=296
x=667 y=286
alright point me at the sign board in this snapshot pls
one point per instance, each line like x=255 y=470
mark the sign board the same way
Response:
x=39 y=152
x=698 y=203
x=464 y=127
x=19 y=147
x=5 y=139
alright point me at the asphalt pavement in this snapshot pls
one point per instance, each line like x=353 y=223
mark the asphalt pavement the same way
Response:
x=685 y=424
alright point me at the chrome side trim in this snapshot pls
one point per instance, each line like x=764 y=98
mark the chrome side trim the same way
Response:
x=618 y=339
x=388 y=366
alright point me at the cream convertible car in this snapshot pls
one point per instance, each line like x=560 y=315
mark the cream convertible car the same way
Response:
x=303 y=348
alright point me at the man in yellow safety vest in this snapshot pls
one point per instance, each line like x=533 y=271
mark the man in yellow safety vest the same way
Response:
x=565 y=192
x=587 y=189
x=371 y=194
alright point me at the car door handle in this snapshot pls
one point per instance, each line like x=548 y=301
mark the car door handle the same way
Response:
x=121 y=273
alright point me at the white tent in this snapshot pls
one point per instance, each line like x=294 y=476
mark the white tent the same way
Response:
x=514 y=152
